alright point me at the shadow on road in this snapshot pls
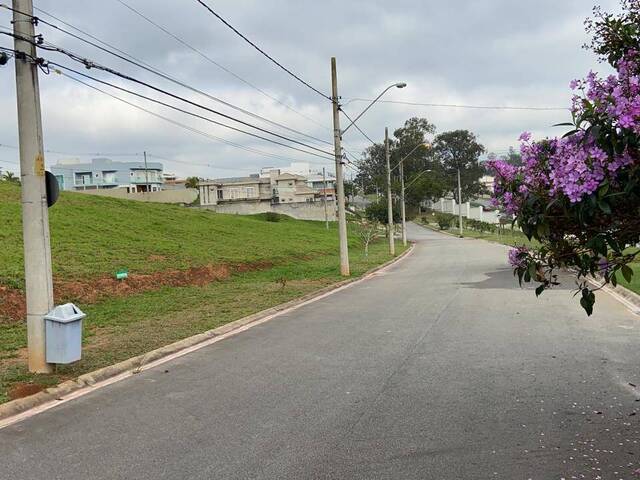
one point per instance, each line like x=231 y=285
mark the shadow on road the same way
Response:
x=503 y=279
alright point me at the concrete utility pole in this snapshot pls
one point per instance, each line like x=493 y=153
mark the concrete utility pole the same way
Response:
x=35 y=216
x=392 y=246
x=460 y=203
x=337 y=141
x=146 y=172
x=324 y=197
x=404 y=216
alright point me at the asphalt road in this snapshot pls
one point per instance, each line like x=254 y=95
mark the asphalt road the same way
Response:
x=439 y=368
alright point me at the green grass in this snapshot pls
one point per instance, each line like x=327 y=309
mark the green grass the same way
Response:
x=508 y=236
x=94 y=236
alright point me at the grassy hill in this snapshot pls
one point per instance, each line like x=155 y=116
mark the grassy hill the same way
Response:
x=190 y=270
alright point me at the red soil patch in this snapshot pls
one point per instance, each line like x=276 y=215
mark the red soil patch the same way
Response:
x=12 y=301
x=21 y=390
x=12 y=305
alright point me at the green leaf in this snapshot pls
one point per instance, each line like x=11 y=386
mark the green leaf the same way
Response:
x=564 y=124
x=539 y=290
x=586 y=305
x=605 y=207
x=614 y=280
x=588 y=300
x=627 y=272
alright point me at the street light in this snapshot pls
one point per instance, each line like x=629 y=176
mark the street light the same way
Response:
x=337 y=143
x=396 y=85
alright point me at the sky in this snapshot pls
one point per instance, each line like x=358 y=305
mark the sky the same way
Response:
x=458 y=52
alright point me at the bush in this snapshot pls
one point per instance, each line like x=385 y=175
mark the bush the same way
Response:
x=445 y=220
x=271 y=217
x=479 y=226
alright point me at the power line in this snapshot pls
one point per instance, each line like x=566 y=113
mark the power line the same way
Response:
x=156 y=71
x=187 y=112
x=181 y=125
x=261 y=50
x=449 y=105
x=357 y=127
x=222 y=67
x=91 y=64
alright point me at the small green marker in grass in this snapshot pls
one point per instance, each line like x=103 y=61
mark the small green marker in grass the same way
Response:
x=122 y=274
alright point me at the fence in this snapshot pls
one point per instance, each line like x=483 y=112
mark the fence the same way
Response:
x=449 y=205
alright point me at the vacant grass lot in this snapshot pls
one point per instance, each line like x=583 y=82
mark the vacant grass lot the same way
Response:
x=92 y=237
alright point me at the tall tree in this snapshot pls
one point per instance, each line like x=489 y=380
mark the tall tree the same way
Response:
x=460 y=149
x=372 y=168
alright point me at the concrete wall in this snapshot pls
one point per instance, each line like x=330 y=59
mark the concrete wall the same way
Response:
x=447 y=205
x=301 y=211
x=188 y=195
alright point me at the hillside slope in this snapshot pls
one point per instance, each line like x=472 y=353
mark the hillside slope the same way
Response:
x=189 y=271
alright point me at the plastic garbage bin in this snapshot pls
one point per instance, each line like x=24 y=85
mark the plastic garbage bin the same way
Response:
x=63 y=330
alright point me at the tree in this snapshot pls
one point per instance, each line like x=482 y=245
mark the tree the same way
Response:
x=379 y=212
x=368 y=231
x=10 y=177
x=579 y=195
x=192 y=182
x=373 y=170
x=460 y=149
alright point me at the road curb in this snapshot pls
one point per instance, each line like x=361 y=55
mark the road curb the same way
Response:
x=13 y=411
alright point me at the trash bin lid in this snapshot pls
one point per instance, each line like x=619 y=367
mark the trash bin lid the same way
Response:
x=65 y=313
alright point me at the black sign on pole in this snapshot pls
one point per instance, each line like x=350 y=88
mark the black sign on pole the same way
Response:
x=53 y=189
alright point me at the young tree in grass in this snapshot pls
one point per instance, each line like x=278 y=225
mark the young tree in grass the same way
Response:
x=10 y=177
x=579 y=195
x=368 y=231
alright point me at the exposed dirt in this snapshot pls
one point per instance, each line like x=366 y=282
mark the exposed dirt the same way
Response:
x=22 y=390
x=12 y=305
x=12 y=301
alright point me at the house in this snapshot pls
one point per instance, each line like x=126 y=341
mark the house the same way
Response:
x=253 y=188
x=276 y=188
x=104 y=173
x=290 y=188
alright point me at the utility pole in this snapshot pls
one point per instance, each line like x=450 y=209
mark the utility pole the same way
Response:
x=35 y=215
x=392 y=246
x=146 y=172
x=404 y=217
x=324 y=197
x=459 y=203
x=337 y=142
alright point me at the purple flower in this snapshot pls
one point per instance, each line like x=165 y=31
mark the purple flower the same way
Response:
x=518 y=257
x=525 y=137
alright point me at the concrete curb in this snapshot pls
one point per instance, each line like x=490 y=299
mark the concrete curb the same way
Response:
x=444 y=232
x=10 y=410
x=629 y=299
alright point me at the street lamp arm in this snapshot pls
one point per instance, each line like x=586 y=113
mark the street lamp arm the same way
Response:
x=408 y=155
x=397 y=85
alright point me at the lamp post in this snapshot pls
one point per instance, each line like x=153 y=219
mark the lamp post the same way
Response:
x=337 y=140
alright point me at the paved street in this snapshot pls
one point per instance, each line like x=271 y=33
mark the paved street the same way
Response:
x=438 y=368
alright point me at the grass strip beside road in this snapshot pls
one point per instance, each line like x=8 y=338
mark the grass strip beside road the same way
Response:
x=269 y=263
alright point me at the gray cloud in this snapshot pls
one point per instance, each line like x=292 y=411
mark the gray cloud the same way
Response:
x=496 y=52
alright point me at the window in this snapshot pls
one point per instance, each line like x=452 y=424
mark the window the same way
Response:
x=220 y=194
x=251 y=192
x=83 y=178
x=109 y=177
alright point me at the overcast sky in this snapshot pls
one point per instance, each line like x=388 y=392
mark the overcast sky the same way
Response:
x=493 y=53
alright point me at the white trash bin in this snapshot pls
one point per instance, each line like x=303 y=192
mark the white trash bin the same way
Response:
x=63 y=330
